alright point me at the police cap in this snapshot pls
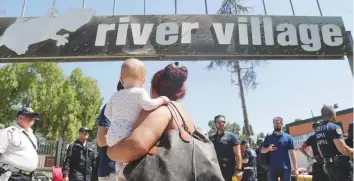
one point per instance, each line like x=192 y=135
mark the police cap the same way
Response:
x=27 y=111
x=84 y=129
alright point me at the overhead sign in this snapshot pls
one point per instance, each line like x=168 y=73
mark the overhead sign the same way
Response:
x=79 y=35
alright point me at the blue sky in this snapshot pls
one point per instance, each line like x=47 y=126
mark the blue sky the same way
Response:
x=290 y=89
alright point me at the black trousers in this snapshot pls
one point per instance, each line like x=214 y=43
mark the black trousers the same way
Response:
x=17 y=176
x=341 y=171
x=262 y=174
x=318 y=173
x=249 y=175
x=227 y=173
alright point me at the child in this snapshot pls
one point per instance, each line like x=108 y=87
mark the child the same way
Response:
x=124 y=107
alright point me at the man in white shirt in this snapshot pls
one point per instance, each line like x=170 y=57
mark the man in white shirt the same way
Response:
x=18 y=148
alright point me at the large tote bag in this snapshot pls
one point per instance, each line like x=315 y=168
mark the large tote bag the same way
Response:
x=180 y=156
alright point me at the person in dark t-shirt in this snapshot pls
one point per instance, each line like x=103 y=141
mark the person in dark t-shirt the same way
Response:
x=317 y=167
x=249 y=160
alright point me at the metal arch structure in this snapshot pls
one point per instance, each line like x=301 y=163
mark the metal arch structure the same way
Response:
x=79 y=35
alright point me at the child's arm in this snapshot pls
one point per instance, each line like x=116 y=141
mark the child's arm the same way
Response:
x=149 y=104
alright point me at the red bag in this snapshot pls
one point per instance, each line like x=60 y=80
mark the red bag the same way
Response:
x=57 y=174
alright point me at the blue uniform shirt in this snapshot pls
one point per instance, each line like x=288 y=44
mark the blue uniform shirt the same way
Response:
x=251 y=155
x=280 y=157
x=325 y=133
x=224 y=148
x=106 y=165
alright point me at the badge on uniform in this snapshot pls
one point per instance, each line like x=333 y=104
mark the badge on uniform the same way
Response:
x=339 y=131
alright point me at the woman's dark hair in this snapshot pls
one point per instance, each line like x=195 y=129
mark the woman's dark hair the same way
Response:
x=119 y=86
x=169 y=81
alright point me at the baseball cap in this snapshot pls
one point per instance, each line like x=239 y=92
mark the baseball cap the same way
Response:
x=27 y=111
x=84 y=129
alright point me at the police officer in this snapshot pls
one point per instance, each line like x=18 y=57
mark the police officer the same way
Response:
x=261 y=171
x=228 y=150
x=317 y=167
x=18 y=145
x=249 y=162
x=349 y=140
x=331 y=145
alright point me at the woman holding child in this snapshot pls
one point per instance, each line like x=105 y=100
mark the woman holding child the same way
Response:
x=183 y=152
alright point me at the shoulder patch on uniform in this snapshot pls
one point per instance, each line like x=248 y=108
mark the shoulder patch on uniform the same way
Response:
x=339 y=131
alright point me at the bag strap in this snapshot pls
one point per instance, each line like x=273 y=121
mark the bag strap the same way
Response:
x=34 y=146
x=184 y=125
x=184 y=134
x=174 y=115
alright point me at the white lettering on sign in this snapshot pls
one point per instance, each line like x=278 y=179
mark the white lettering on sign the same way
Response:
x=187 y=32
x=169 y=33
x=247 y=29
x=223 y=37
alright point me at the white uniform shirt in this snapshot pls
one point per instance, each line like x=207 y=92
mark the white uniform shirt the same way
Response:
x=123 y=109
x=17 y=150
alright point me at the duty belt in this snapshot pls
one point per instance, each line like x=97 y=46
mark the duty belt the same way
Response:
x=7 y=167
x=249 y=168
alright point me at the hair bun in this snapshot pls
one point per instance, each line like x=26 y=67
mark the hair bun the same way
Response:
x=176 y=63
x=177 y=74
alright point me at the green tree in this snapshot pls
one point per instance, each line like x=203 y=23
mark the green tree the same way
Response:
x=243 y=73
x=64 y=103
x=297 y=119
x=88 y=95
x=250 y=130
x=261 y=135
x=231 y=127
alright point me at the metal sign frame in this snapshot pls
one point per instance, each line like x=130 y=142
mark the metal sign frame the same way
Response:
x=79 y=35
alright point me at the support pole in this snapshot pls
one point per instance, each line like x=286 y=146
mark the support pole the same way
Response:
x=206 y=6
x=24 y=8
x=84 y=4
x=114 y=7
x=144 y=7
x=264 y=7
x=319 y=7
x=175 y=6
x=292 y=7
x=350 y=50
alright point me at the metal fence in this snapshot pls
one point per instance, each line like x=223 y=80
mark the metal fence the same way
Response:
x=53 y=153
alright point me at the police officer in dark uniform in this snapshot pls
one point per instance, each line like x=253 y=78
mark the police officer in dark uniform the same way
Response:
x=349 y=140
x=317 y=167
x=249 y=162
x=228 y=150
x=331 y=145
x=261 y=171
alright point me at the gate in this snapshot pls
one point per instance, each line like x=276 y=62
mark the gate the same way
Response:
x=52 y=154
